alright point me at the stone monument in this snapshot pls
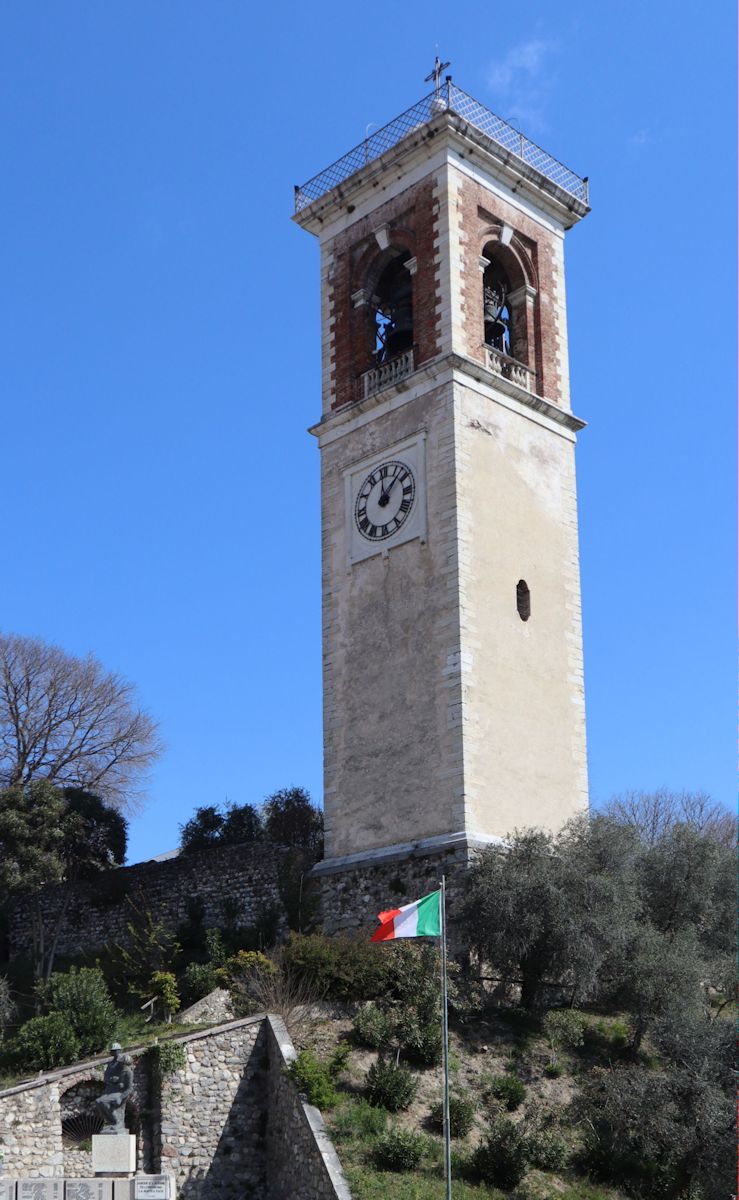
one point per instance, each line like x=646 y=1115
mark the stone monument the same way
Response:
x=114 y=1149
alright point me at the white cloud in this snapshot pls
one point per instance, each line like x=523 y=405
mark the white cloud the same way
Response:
x=522 y=79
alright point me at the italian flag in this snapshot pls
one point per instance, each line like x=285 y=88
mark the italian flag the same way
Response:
x=422 y=918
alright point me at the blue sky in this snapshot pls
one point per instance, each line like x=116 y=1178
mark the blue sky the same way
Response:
x=160 y=356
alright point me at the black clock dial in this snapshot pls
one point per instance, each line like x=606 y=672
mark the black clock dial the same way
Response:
x=384 y=501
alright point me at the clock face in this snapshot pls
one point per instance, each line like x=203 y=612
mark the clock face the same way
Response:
x=384 y=500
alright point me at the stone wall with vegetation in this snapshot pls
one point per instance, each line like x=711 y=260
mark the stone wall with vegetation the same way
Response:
x=234 y=885
x=301 y=1161
x=223 y=1118
x=351 y=895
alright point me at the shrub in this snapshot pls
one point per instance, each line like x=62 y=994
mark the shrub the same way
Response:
x=390 y=1086
x=501 y=1159
x=545 y=1148
x=398 y=1150
x=315 y=1078
x=167 y=1057
x=461 y=1116
x=339 y=968
x=358 y=1121
x=553 y=1070
x=199 y=979
x=371 y=1027
x=164 y=987
x=506 y=1089
x=82 y=996
x=46 y=1042
x=421 y=1043
x=564 y=1027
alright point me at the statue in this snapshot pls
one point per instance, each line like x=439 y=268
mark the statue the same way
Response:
x=118 y=1084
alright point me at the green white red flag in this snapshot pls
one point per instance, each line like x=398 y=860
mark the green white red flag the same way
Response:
x=422 y=918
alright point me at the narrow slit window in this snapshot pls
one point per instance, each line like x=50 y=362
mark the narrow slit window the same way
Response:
x=523 y=600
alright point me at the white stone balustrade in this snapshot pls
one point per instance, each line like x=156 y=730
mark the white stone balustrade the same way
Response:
x=509 y=368
x=386 y=374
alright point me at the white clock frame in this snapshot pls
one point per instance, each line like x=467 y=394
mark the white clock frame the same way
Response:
x=411 y=451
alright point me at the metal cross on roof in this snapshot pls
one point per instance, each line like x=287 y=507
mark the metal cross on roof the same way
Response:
x=436 y=74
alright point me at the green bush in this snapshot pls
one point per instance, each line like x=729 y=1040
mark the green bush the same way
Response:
x=315 y=1078
x=371 y=1027
x=390 y=1086
x=338 y=968
x=398 y=1150
x=506 y=1089
x=46 y=1042
x=7 y=1005
x=553 y=1070
x=501 y=1159
x=461 y=1115
x=358 y=1121
x=545 y=1148
x=167 y=1057
x=564 y=1027
x=199 y=979
x=81 y=995
x=163 y=985
x=420 y=1042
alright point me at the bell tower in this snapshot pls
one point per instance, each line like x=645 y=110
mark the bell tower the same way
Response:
x=452 y=649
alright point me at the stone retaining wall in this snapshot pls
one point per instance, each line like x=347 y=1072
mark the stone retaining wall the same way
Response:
x=301 y=1161
x=227 y=1125
x=237 y=885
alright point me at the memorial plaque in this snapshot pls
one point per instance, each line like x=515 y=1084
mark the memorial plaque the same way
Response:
x=123 y=1189
x=152 y=1187
x=40 y=1189
x=88 y=1189
x=7 y=1189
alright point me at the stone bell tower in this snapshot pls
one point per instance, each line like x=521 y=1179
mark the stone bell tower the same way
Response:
x=452 y=648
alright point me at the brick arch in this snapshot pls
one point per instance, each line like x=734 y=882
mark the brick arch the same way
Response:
x=517 y=263
x=514 y=258
x=372 y=261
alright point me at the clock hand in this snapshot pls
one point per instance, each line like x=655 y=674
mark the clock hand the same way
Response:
x=386 y=494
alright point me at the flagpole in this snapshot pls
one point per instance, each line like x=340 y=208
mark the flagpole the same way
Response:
x=445 y=1037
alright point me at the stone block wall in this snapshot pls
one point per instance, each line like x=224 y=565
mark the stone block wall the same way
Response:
x=99 y=910
x=213 y=1115
x=227 y=1125
x=301 y=1161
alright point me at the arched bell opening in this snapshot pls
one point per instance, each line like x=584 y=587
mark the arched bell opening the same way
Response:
x=507 y=303
x=496 y=288
x=523 y=600
x=391 y=329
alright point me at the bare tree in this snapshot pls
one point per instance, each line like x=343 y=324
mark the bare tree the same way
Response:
x=655 y=813
x=67 y=720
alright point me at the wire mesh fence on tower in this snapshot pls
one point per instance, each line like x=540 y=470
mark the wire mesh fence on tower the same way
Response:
x=465 y=106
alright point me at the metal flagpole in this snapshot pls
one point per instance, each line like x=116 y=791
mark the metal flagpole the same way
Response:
x=445 y=1034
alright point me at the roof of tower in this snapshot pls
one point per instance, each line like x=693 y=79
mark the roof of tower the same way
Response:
x=515 y=151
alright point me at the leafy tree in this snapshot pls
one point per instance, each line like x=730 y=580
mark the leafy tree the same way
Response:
x=659 y=1134
x=150 y=947
x=553 y=910
x=67 y=721
x=82 y=996
x=50 y=835
x=210 y=826
x=163 y=985
x=242 y=823
x=202 y=831
x=291 y=819
x=687 y=881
